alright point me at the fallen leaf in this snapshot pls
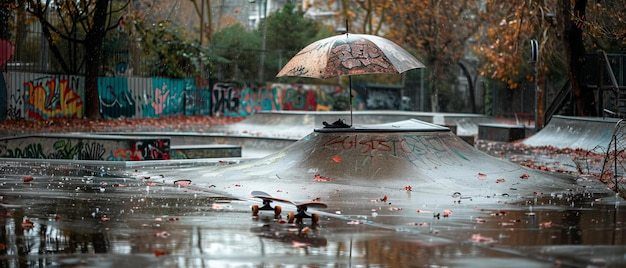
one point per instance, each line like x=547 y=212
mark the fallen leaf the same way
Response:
x=182 y=183
x=28 y=178
x=28 y=224
x=482 y=239
x=299 y=244
x=158 y=252
x=546 y=224
x=320 y=178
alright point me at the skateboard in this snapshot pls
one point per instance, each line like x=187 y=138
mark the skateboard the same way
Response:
x=301 y=208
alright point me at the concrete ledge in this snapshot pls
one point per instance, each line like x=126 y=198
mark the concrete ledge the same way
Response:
x=501 y=132
x=451 y=127
x=205 y=151
x=251 y=146
x=81 y=146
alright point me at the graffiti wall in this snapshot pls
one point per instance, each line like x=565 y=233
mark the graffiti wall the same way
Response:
x=85 y=148
x=151 y=97
x=383 y=99
x=43 y=96
x=232 y=100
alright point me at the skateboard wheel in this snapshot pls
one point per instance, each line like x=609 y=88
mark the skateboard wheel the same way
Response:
x=255 y=210
x=315 y=218
x=290 y=217
x=277 y=211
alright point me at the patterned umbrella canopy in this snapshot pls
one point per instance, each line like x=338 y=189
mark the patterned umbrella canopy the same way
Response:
x=349 y=54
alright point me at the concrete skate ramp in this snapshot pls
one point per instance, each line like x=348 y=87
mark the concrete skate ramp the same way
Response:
x=296 y=124
x=410 y=164
x=575 y=133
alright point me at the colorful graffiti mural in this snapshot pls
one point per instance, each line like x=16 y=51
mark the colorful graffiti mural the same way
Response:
x=115 y=99
x=43 y=96
x=424 y=151
x=151 y=97
x=51 y=96
x=85 y=148
x=142 y=150
x=259 y=99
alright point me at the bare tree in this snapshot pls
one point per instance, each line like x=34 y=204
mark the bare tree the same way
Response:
x=82 y=24
x=575 y=48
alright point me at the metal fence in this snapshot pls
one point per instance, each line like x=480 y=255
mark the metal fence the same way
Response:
x=38 y=96
x=614 y=167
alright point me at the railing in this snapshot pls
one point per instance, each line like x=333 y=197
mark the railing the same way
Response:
x=558 y=102
x=614 y=86
x=598 y=65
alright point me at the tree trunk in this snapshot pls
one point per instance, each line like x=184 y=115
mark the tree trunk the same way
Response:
x=470 y=83
x=92 y=98
x=93 y=53
x=573 y=40
x=434 y=92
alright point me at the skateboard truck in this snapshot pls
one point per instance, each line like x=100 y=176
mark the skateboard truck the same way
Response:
x=266 y=206
x=301 y=213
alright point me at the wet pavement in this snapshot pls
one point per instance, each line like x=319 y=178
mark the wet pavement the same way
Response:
x=82 y=217
x=460 y=209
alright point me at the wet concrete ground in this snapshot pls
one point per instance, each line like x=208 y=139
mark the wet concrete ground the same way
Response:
x=88 y=214
x=98 y=216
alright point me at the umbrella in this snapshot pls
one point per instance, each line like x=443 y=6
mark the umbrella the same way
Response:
x=349 y=54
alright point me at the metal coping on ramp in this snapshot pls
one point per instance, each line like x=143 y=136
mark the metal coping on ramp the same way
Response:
x=411 y=125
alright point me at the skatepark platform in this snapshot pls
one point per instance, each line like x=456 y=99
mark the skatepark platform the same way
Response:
x=296 y=124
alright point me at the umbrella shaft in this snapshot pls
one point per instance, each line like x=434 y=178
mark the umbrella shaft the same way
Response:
x=350 y=99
